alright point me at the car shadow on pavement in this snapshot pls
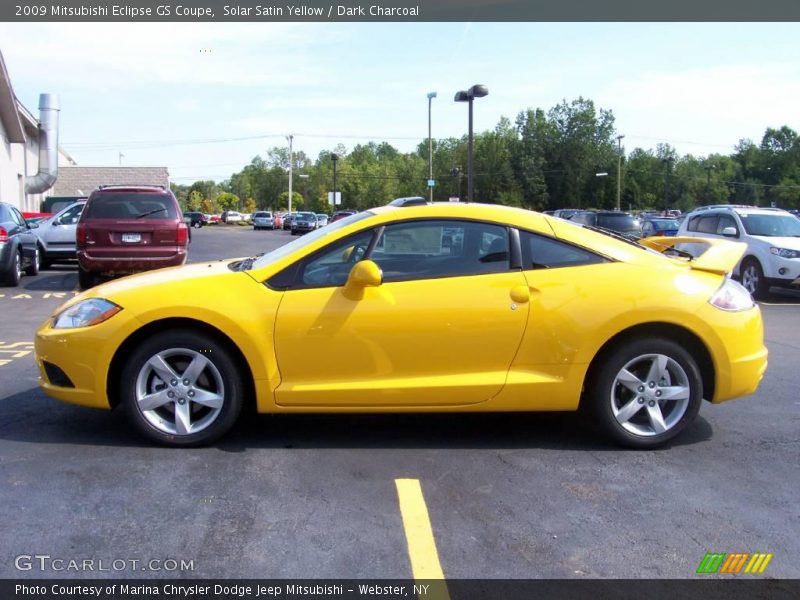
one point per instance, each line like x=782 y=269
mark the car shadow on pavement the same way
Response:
x=782 y=296
x=34 y=418
x=58 y=278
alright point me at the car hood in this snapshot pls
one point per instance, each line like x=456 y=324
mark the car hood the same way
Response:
x=790 y=243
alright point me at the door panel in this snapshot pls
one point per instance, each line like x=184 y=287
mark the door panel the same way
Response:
x=433 y=342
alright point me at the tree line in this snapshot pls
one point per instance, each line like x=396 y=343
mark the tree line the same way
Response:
x=566 y=157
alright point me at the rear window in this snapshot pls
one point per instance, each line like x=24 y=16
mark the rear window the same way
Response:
x=263 y=215
x=618 y=222
x=131 y=206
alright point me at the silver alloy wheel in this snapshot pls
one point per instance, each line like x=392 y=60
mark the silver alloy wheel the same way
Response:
x=37 y=259
x=179 y=391
x=650 y=394
x=750 y=279
x=18 y=265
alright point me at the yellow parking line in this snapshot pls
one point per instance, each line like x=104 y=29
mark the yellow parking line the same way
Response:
x=419 y=536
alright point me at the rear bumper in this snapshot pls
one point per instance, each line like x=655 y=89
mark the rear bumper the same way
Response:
x=740 y=357
x=129 y=264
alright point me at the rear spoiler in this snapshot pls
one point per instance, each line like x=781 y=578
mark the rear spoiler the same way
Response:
x=712 y=255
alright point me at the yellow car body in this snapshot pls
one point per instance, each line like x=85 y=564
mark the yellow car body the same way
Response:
x=519 y=340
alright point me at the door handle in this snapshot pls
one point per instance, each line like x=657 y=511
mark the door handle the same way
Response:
x=520 y=294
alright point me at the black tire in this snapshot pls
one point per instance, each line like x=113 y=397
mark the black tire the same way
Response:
x=605 y=394
x=85 y=278
x=197 y=225
x=752 y=278
x=160 y=424
x=44 y=263
x=13 y=276
x=33 y=268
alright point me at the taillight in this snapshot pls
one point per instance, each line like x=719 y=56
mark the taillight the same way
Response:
x=3 y=235
x=80 y=235
x=183 y=233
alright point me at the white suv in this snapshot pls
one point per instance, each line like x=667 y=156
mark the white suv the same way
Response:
x=772 y=236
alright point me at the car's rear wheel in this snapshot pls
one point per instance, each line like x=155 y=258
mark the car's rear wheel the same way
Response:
x=181 y=388
x=645 y=392
x=33 y=268
x=14 y=274
x=85 y=278
x=753 y=280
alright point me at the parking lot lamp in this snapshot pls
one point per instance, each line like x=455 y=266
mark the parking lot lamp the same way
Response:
x=468 y=96
x=431 y=96
x=334 y=158
x=619 y=169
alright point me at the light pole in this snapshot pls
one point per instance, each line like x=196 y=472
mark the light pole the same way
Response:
x=334 y=158
x=619 y=169
x=431 y=96
x=476 y=91
x=667 y=164
x=290 y=138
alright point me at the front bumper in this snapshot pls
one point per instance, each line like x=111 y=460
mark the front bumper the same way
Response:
x=84 y=355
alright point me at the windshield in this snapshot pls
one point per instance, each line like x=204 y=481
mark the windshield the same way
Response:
x=771 y=225
x=307 y=239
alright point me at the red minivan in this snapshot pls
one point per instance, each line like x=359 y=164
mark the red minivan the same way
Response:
x=128 y=229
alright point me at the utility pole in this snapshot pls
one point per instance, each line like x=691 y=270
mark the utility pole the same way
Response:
x=667 y=164
x=431 y=96
x=290 y=138
x=121 y=156
x=619 y=169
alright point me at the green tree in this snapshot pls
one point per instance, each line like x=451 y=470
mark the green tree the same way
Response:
x=227 y=201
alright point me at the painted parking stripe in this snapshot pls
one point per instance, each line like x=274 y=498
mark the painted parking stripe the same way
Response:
x=422 y=552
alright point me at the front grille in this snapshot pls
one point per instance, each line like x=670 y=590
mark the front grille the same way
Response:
x=56 y=376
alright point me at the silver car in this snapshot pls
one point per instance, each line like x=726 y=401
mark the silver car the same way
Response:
x=56 y=235
x=322 y=220
x=263 y=220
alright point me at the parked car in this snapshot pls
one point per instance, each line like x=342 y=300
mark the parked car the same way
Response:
x=659 y=226
x=369 y=302
x=620 y=222
x=231 y=216
x=566 y=213
x=341 y=214
x=195 y=219
x=322 y=219
x=772 y=236
x=128 y=229
x=19 y=248
x=303 y=222
x=263 y=220
x=56 y=235
x=214 y=219
x=287 y=221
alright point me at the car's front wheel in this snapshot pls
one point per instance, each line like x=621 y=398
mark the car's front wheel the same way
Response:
x=85 y=278
x=36 y=261
x=645 y=392
x=753 y=279
x=181 y=388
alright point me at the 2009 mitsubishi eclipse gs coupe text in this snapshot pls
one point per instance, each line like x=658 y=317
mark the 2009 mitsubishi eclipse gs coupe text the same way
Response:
x=433 y=308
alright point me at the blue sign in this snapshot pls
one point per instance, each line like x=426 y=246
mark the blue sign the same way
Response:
x=431 y=183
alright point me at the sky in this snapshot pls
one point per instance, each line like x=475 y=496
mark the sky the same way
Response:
x=204 y=99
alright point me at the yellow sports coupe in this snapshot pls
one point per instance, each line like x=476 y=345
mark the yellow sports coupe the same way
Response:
x=433 y=308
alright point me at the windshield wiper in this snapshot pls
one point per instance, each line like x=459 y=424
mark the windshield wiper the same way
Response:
x=247 y=263
x=152 y=212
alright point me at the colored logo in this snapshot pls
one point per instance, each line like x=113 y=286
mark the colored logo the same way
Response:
x=742 y=562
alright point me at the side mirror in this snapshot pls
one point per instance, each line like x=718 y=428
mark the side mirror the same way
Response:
x=365 y=274
x=730 y=232
x=32 y=225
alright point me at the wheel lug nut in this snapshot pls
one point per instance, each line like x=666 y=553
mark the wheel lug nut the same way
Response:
x=641 y=400
x=191 y=393
x=181 y=400
x=185 y=382
x=652 y=384
x=641 y=388
x=174 y=382
x=170 y=394
x=652 y=403
x=658 y=393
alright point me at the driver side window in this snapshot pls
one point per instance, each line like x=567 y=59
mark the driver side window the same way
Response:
x=331 y=267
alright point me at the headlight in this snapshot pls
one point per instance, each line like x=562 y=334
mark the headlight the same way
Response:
x=85 y=313
x=785 y=252
x=732 y=296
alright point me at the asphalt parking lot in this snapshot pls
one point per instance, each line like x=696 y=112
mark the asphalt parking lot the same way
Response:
x=508 y=496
